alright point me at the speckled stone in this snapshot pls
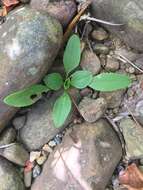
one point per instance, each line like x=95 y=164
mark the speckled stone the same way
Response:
x=29 y=42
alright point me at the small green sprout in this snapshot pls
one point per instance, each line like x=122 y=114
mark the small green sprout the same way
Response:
x=74 y=78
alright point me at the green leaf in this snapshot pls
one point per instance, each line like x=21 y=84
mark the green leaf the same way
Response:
x=81 y=79
x=26 y=97
x=53 y=81
x=110 y=82
x=61 y=109
x=72 y=54
x=67 y=83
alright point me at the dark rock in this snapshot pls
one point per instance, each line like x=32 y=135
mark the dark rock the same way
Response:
x=9 y=177
x=29 y=42
x=100 y=48
x=86 y=159
x=90 y=62
x=61 y=10
x=25 y=1
x=112 y=64
x=99 y=34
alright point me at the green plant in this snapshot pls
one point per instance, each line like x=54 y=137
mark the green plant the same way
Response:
x=78 y=79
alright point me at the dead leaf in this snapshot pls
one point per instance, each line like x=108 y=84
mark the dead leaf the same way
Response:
x=9 y=3
x=7 y=6
x=132 y=178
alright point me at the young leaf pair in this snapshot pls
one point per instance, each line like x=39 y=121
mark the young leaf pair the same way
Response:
x=78 y=79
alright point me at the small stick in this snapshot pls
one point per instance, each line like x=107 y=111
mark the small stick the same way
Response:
x=75 y=20
x=131 y=63
x=7 y=145
x=86 y=17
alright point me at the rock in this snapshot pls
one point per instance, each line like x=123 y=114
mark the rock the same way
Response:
x=29 y=42
x=138 y=63
x=131 y=70
x=25 y=1
x=19 y=122
x=129 y=13
x=9 y=177
x=41 y=159
x=16 y=154
x=92 y=109
x=133 y=134
x=126 y=53
x=27 y=178
x=134 y=100
x=90 y=154
x=47 y=148
x=112 y=64
x=36 y=171
x=8 y=136
x=86 y=92
x=99 y=34
x=113 y=99
x=61 y=10
x=52 y=143
x=90 y=62
x=100 y=48
x=34 y=155
x=39 y=128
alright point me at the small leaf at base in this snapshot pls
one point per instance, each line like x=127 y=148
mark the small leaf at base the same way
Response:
x=61 y=109
x=54 y=81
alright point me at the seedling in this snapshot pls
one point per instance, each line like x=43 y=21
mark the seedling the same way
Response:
x=74 y=78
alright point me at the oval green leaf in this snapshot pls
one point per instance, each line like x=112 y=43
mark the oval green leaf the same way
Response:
x=110 y=82
x=72 y=54
x=26 y=97
x=54 y=81
x=81 y=79
x=61 y=109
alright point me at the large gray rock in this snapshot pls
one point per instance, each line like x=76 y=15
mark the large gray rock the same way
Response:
x=128 y=12
x=39 y=128
x=85 y=160
x=9 y=177
x=29 y=42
